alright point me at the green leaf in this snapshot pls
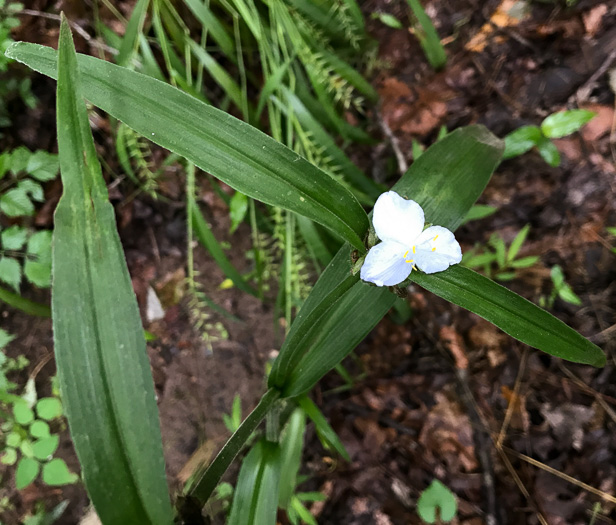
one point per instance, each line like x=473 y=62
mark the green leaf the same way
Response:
x=39 y=429
x=5 y=338
x=103 y=369
x=557 y=275
x=324 y=430
x=567 y=295
x=564 y=123
x=238 y=154
x=479 y=260
x=292 y=445
x=437 y=502
x=45 y=447
x=428 y=37
x=32 y=188
x=134 y=29
x=500 y=249
x=16 y=203
x=256 y=493
x=517 y=243
x=524 y=262
x=13 y=439
x=49 y=408
x=43 y=166
x=56 y=473
x=479 y=211
x=549 y=152
x=26 y=448
x=23 y=413
x=38 y=269
x=237 y=209
x=9 y=457
x=19 y=159
x=27 y=470
x=5 y=163
x=446 y=180
x=211 y=244
x=513 y=314
x=521 y=140
x=14 y=237
x=387 y=19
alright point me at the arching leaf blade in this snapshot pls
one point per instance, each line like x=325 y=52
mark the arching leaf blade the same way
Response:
x=231 y=150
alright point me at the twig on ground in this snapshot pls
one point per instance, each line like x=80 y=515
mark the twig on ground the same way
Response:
x=78 y=29
x=395 y=144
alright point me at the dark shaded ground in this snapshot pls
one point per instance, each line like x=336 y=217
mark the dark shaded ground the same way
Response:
x=445 y=394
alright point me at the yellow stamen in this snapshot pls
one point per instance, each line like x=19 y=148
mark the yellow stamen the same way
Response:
x=433 y=249
x=406 y=253
x=410 y=261
x=435 y=238
x=415 y=268
x=413 y=249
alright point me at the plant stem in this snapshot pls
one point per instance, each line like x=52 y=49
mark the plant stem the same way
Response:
x=25 y=305
x=206 y=482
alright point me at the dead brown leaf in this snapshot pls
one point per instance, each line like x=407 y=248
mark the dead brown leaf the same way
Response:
x=447 y=435
x=593 y=19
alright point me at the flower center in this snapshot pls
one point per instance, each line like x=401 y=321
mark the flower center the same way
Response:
x=414 y=250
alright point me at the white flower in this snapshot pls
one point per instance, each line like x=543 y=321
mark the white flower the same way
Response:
x=399 y=223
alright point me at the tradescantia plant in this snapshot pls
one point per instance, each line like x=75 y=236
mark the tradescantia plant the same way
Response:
x=99 y=344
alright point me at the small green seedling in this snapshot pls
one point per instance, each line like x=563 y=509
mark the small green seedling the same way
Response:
x=555 y=126
x=496 y=254
x=232 y=421
x=437 y=502
x=29 y=442
x=561 y=290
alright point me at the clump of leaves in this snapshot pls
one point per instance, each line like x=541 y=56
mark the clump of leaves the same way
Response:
x=27 y=428
x=498 y=260
x=555 y=126
x=23 y=251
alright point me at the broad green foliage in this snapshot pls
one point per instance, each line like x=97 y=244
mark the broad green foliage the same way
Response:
x=99 y=344
x=24 y=252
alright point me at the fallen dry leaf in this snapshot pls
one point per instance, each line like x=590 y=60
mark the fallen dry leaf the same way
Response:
x=447 y=434
x=594 y=18
x=600 y=125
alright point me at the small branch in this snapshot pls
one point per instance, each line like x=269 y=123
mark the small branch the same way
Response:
x=78 y=29
x=395 y=144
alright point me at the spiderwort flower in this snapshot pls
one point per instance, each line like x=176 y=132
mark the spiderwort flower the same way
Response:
x=399 y=222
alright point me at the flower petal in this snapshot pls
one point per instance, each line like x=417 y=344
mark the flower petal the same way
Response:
x=397 y=219
x=436 y=250
x=384 y=264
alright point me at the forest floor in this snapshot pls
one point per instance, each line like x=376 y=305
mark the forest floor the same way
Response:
x=518 y=436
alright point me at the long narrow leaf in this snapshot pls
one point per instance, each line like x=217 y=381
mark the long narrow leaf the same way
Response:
x=511 y=313
x=100 y=349
x=231 y=150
